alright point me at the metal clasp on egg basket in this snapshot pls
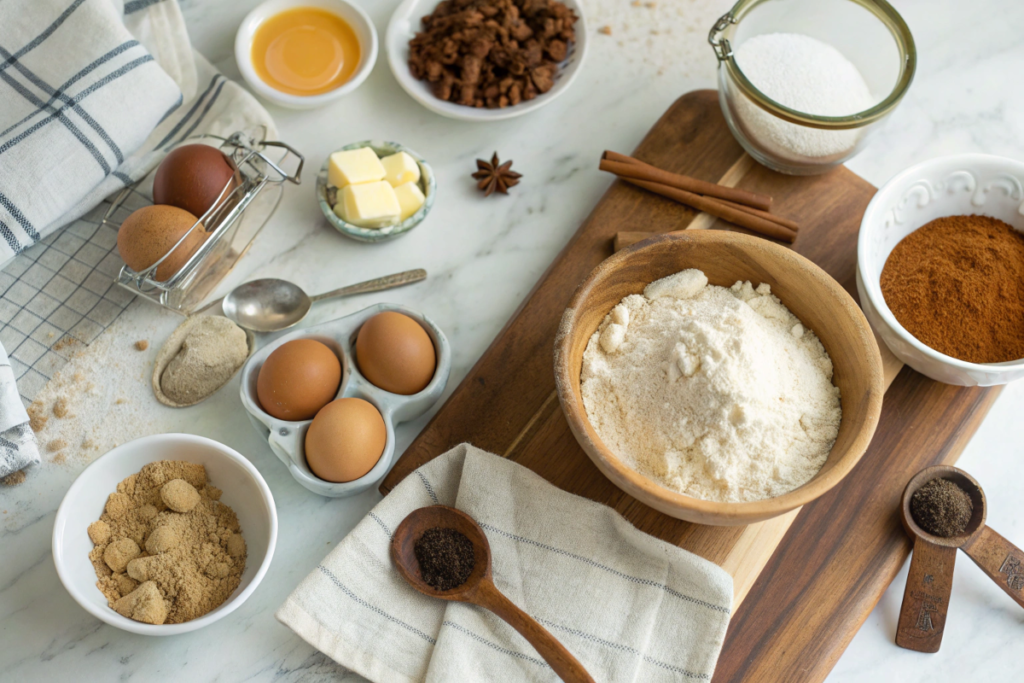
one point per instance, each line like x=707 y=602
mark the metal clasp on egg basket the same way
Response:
x=721 y=46
x=243 y=207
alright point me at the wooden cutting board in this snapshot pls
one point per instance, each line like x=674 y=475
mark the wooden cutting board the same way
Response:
x=804 y=582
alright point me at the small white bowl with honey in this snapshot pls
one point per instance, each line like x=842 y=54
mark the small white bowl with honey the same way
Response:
x=302 y=54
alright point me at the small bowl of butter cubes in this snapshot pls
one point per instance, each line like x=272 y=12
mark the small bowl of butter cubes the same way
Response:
x=374 y=191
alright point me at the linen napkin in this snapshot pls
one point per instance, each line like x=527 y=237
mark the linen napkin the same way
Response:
x=94 y=94
x=18 y=447
x=628 y=606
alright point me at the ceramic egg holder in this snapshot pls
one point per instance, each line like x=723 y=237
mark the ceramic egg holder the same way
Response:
x=287 y=438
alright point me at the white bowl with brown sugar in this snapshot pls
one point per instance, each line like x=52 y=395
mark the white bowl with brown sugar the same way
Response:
x=241 y=487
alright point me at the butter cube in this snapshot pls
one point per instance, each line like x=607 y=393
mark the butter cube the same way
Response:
x=368 y=205
x=400 y=169
x=410 y=199
x=354 y=166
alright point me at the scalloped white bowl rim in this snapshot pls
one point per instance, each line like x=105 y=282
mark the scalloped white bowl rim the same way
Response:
x=932 y=179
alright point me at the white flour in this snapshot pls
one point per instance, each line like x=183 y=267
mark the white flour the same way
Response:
x=717 y=393
x=807 y=75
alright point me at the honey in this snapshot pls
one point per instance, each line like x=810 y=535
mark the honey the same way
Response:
x=305 y=51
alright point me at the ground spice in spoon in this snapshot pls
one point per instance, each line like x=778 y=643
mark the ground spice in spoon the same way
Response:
x=941 y=508
x=445 y=557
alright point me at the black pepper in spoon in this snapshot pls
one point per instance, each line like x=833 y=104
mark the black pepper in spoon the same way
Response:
x=445 y=557
x=942 y=508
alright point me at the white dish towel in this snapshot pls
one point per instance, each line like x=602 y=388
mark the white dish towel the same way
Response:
x=628 y=606
x=93 y=93
x=18 y=447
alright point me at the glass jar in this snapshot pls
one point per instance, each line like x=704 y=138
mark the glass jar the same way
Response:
x=869 y=33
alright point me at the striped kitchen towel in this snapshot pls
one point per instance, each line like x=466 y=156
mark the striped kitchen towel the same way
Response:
x=94 y=93
x=18 y=448
x=628 y=606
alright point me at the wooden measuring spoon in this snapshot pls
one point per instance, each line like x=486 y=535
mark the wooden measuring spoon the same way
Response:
x=479 y=588
x=926 y=599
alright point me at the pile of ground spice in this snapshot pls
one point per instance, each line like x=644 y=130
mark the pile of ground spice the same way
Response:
x=166 y=550
x=492 y=53
x=445 y=557
x=941 y=508
x=957 y=285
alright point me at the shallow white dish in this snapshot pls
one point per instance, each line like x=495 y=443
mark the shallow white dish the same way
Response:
x=428 y=185
x=287 y=438
x=353 y=15
x=948 y=186
x=405 y=23
x=244 y=490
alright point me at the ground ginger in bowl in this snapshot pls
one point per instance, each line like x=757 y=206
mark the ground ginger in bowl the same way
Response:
x=167 y=551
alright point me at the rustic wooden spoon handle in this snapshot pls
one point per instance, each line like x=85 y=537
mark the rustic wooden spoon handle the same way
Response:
x=554 y=653
x=926 y=598
x=1000 y=559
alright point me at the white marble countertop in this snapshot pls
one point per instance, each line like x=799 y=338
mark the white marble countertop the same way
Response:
x=483 y=258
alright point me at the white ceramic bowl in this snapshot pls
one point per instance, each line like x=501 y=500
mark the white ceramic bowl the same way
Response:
x=405 y=23
x=244 y=490
x=353 y=15
x=948 y=186
x=287 y=438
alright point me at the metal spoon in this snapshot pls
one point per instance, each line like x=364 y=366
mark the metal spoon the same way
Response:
x=270 y=305
x=479 y=588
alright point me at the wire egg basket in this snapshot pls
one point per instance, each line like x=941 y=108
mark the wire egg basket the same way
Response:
x=244 y=206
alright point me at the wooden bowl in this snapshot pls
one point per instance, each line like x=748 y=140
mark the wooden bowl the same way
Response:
x=725 y=257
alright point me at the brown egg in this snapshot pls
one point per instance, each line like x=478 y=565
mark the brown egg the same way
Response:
x=152 y=231
x=298 y=379
x=345 y=440
x=395 y=353
x=191 y=177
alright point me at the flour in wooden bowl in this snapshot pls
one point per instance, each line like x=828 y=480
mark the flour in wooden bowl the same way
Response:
x=717 y=393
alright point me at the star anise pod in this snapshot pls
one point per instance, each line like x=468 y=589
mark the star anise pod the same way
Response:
x=495 y=176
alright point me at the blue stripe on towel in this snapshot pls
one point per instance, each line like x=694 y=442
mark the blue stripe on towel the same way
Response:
x=60 y=116
x=188 y=115
x=78 y=98
x=54 y=94
x=8 y=235
x=206 y=110
x=345 y=589
x=81 y=74
x=136 y=5
x=44 y=35
x=624 y=648
x=19 y=216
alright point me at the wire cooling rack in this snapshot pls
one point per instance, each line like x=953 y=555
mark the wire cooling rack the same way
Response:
x=61 y=291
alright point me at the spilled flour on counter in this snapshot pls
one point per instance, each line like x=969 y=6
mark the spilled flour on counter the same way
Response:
x=99 y=400
x=717 y=393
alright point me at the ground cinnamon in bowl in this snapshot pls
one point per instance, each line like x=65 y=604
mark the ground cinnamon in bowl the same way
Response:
x=957 y=285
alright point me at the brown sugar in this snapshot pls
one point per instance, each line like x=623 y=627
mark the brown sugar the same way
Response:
x=60 y=407
x=37 y=417
x=158 y=565
x=14 y=478
x=957 y=285
x=492 y=53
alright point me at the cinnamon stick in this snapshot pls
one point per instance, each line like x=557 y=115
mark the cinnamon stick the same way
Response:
x=645 y=171
x=719 y=209
x=638 y=171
